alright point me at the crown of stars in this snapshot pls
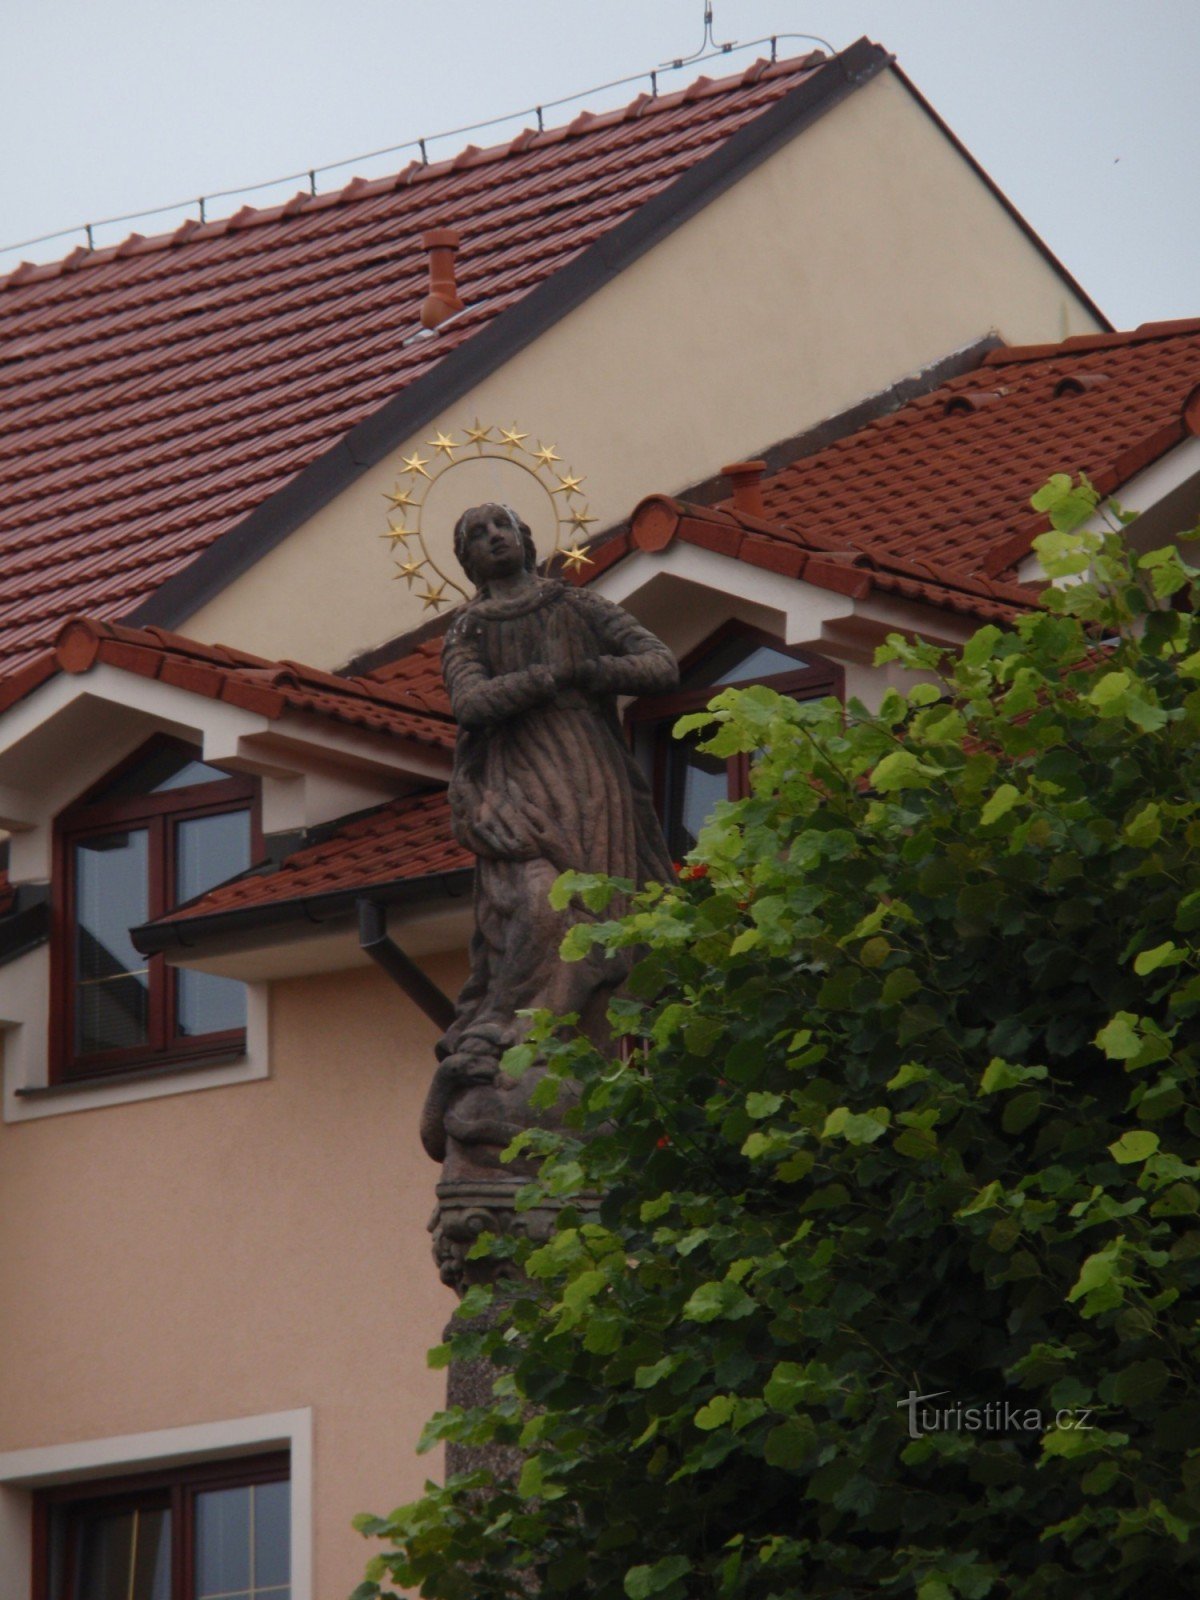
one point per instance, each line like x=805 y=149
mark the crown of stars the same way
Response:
x=450 y=448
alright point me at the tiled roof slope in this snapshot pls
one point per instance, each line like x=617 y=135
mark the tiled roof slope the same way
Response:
x=268 y=688
x=418 y=673
x=945 y=481
x=404 y=840
x=841 y=564
x=157 y=393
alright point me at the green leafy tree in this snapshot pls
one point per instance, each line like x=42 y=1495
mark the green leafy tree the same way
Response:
x=908 y=1106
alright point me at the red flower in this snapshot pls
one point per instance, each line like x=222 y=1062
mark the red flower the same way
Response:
x=696 y=869
x=663 y=1143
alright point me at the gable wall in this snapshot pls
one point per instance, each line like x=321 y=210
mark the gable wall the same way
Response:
x=861 y=252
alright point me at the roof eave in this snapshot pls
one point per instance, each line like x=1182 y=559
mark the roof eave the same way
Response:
x=317 y=911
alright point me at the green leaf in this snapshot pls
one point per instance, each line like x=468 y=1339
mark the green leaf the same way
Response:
x=1117 y=1038
x=1163 y=955
x=763 y=1104
x=790 y=1444
x=717 y=1299
x=1145 y=828
x=1000 y=804
x=900 y=770
x=898 y=986
x=1140 y=1383
x=1109 y=687
x=1000 y=1074
x=1133 y=1146
x=910 y=1072
x=716 y=1413
x=1097 y=1271
x=875 y=952
x=990 y=1195
x=981 y=646
x=641 y=1582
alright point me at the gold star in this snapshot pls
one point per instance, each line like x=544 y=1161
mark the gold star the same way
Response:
x=408 y=570
x=575 y=558
x=579 y=519
x=478 y=434
x=434 y=597
x=568 y=484
x=511 y=439
x=546 y=454
x=445 y=445
x=414 y=463
x=398 y=533
x=401 y=498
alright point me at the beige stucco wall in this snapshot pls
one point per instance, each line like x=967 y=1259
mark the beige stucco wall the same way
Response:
x=239 y=1251
x=860 y=253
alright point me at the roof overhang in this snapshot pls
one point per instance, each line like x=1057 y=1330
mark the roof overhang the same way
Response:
x=316 y=933
x=684 y=593
x=75 y=727
x=1165 y=495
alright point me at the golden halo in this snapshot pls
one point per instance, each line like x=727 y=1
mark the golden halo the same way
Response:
x=419 y=474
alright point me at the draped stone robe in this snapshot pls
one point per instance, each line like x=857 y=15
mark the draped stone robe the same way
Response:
x=543 y=781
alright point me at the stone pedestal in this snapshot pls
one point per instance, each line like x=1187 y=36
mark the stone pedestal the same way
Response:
x=464 y=1211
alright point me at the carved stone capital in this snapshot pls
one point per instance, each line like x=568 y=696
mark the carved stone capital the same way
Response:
x=467 y=1209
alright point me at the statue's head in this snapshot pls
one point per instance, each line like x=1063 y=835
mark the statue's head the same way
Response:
x=491 y=541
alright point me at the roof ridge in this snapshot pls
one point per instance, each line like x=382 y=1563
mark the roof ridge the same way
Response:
x=194 y=231
x=1083 y=343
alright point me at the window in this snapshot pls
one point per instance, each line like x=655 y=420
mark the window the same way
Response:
x=161 y=829
x=221 y=1531
x=687 y=782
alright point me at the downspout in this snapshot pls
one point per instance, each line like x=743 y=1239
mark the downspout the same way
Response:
x=373 y=939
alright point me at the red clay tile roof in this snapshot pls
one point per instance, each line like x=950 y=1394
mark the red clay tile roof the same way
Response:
x=946 y=479
x=419 y=674
x=843 y=565
x=157 y=393
x=269 y=688
x=406 y=839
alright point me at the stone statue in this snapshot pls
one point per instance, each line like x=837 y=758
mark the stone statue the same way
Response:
x=543 y=782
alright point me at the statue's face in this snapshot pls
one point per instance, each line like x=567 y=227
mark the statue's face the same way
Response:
x=492 y=546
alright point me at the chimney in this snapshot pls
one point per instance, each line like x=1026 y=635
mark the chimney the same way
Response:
x=443 y=299
x=745 y=479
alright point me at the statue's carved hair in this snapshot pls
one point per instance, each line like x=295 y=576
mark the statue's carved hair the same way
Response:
x=460 y=535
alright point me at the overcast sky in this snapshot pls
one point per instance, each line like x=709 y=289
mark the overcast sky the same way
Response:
x=1083 y=111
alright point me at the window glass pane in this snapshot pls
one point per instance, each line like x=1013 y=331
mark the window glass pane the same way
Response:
x=207 y=851
x=695 y=783
x=738 y=661
x=272 y=1538
x=205 y=1003
x=223 y=1543
x=111 y=979
x=761 y=663
x=166 y=767
x=123 y=1556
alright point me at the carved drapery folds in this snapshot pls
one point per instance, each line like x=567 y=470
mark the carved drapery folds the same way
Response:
x=543 y=782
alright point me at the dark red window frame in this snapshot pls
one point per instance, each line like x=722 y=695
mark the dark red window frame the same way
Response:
x=160 y=815
x=808 y=682
x=62 y=1507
